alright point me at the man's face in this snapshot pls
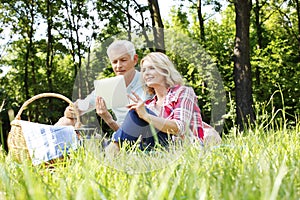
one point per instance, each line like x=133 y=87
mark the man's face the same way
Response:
x=122 y=63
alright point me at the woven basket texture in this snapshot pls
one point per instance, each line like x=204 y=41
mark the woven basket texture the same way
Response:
x=16 y=142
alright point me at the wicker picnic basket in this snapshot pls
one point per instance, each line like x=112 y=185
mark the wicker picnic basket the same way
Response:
x=16 y=142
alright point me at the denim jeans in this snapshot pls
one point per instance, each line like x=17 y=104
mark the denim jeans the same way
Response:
x=134 y=127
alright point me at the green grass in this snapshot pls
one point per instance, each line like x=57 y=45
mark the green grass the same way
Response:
x=262 y=163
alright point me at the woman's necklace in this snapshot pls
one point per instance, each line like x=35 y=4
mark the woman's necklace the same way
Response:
x=158 y=107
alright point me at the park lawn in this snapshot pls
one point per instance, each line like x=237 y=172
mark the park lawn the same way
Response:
x=259 y=164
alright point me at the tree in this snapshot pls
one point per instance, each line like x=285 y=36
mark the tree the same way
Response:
x=298 y=17
x=258 y=25
x=201 y=21
x=202 y=17
x=23 y=19
x=242 y=66
x=157 y=25
x=276 y=54
x=48 y=10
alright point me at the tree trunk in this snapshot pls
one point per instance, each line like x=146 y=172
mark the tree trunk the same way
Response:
x=49 y=58
x=158 y=27
x=242 y=67
x=259 y=36
x=201 y=21
x=129 y=20
x=29 y=60
x=298 y=15
x=74 y=17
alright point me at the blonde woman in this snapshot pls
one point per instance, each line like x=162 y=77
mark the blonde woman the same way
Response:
x=172 y=111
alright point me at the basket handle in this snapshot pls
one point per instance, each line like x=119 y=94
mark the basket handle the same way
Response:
x=42 y=95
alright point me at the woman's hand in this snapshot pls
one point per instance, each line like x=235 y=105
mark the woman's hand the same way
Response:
x=138 y=105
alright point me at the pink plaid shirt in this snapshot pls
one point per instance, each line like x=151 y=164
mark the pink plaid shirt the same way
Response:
x=181 y=105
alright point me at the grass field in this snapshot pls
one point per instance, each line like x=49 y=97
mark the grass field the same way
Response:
x=262 y=163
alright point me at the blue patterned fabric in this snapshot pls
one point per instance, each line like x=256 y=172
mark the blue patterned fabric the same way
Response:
x=47 y=142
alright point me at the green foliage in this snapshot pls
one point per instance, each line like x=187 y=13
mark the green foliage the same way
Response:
x=13 y=84
x=278 y=70
x=220 y=43
x=275 y=65
x=179 y=19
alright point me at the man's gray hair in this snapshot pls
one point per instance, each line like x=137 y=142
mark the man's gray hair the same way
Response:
x=122 y=44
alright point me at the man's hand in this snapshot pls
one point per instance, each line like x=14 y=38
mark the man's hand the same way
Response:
x=102 y=111
x=101 y=108
x=69 y=112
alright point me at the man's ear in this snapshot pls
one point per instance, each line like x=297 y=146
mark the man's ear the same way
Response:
x=136 y=58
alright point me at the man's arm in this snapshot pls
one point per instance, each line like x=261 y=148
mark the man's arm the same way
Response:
x=102 y=111
x=108 y=119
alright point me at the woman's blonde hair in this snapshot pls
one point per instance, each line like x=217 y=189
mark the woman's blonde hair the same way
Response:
x=165 y=67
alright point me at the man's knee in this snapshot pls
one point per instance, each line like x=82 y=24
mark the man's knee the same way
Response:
x=64 y=121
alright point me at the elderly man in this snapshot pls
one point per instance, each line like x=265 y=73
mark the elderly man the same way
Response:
x=123 y=58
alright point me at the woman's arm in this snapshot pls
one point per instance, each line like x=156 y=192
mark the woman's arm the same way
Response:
x=165 y=125
x=162 y=124
x=184 y=109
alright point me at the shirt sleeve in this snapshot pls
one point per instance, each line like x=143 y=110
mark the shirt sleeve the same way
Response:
x=88 y=104
x=183 y=109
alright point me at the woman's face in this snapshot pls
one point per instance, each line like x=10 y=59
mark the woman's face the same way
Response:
x=151 y=76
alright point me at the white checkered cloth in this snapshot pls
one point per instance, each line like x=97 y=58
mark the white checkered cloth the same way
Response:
x=47 y=142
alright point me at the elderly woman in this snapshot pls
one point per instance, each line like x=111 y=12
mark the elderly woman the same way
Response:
x=172 y=111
